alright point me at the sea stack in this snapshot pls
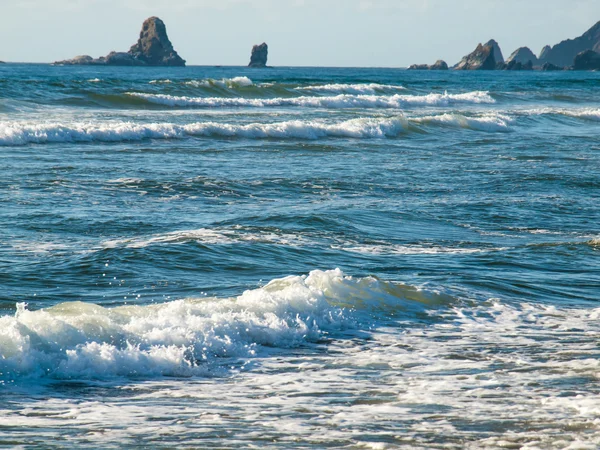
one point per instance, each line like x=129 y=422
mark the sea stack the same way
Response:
x=482 y=58
x=258 y=58
x=544 y=53
x=523 y=55
x=153 y=48
x=497 y=52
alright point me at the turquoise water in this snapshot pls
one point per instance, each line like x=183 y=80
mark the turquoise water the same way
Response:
x=298 y=258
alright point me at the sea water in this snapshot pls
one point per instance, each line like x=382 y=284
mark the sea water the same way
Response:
x=299 y=258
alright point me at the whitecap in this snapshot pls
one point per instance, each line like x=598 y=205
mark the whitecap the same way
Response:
x=235 y=82
x=338 y=101
x=19 y=133
x=489 y=122
x=357 y=88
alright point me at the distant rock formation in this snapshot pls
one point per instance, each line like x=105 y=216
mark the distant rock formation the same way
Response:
x=497 y=52
x=523 y=55
x=259 y=55
x=544 y=53
x=517 y=65
x=549 y=67
x=563 y=54
x=153 y=48
x=482 y=58
x=439 y=65
x=587 y=60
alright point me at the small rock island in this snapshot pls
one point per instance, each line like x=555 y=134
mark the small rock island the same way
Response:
x=153 y=48
x=259 y=55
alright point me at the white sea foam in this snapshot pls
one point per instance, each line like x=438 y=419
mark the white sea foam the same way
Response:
x=206 y=236
x=391 y=249
x=18 y=133
x=94 y=80
x=489 y=122
x=234 y=82
x=340 y=88
x=338 y=101
x=192 y=336
x=166 y=81
x=528 y=372
x=588 y=114
x=581 y=113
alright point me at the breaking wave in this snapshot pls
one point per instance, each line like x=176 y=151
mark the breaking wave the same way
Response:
x=338 y=101
x=26 y=133
x=194 y=336
x=490 y=123
x=358 y=89
x=235 y=82
x=23 y=133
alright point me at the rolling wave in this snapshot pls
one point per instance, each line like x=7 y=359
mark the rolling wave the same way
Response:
x=333 y=102
x=23 y=133
x=26 y=133
x=194 y=336
x=235 y=82
x=357 y=88
x=490 y=122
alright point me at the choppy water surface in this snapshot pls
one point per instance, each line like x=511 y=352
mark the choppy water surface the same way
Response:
x=299 y=258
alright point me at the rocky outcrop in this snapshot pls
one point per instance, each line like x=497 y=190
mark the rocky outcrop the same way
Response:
x=563 y=54
x=80 y=60
x=517 y=65
x=497 y=52
x=153 y=48
x=549 y=67
x=544 y=53
x=587 y=60
x=439 y=65
x=482 y=58
x=523 y=55
x=259 y=55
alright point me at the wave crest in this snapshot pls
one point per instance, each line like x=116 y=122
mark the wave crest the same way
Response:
x=192 y=336
x=357 y=88
x=26 y=133
x=340 y=101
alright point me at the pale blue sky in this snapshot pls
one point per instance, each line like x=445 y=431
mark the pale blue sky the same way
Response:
x=387 y=33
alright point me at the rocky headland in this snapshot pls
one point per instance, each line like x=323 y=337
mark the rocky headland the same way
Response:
x=563 y=54
x=153 y=48
x=259 y=55
x=581 y=53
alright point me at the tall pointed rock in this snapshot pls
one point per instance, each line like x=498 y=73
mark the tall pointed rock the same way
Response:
x=259 y=55
x=154 y=47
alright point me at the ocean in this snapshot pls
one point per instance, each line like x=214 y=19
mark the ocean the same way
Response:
x=221 y=257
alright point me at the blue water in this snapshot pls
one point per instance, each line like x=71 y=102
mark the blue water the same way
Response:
x=299 y=258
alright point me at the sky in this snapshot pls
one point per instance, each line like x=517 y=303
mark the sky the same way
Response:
x=341 y=33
